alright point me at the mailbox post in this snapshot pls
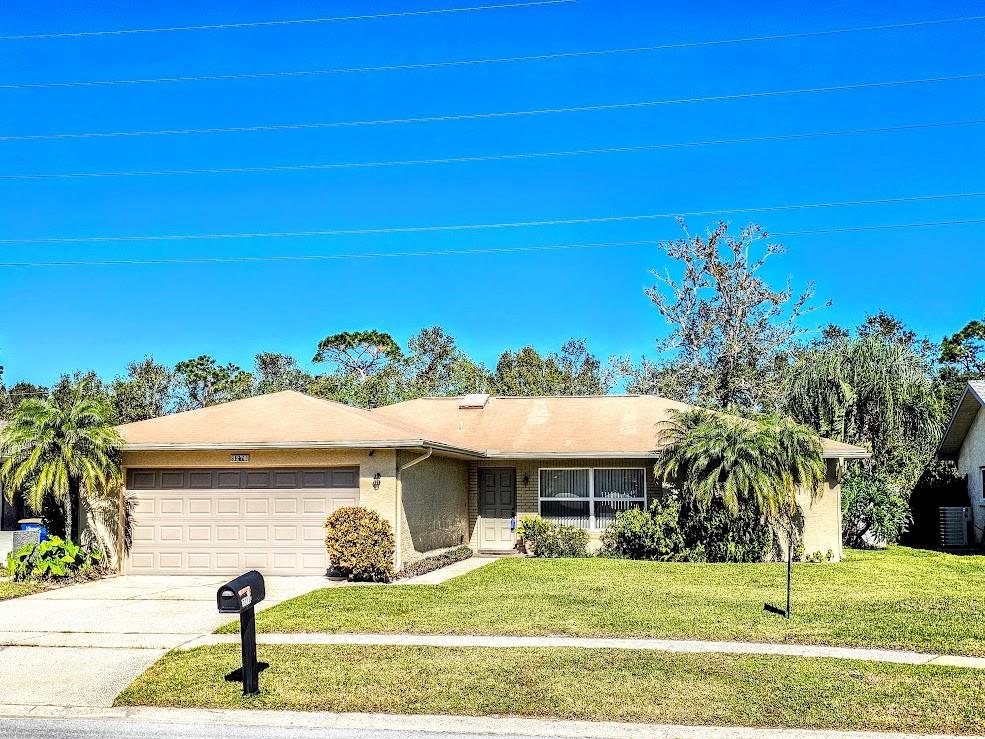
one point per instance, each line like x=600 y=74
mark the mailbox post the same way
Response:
x=241 y=596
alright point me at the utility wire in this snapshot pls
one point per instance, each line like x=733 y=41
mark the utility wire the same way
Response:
x=480 y=116
x=503 y=225
x=282 y=22
x=473 y=62
x=455 y=252
x=488 y=157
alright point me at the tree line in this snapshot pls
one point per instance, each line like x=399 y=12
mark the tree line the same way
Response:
x=733 y=342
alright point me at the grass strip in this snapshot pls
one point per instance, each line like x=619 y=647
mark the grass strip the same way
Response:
x=897 y=599
x=610 y=685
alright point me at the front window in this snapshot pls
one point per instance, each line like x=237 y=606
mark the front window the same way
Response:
x=590 y=498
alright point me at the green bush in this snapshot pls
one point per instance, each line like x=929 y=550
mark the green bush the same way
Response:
x=716 y=535
x=652 y=534
x=435 y=562
x=360 y=544
x=53 y=559
x=671 y=530
x=546 y=539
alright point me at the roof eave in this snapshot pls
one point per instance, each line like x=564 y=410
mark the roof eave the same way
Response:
x=341 y=444
x=949 y=447
x=623 y=454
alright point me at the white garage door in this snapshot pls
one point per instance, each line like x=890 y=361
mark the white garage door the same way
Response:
x=227 y=521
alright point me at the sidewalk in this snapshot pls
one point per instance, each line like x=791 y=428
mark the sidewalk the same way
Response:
x=660 y=645
x=375 y=724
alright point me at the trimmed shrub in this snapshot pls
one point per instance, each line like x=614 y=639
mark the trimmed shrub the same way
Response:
x=435 y=562
x=360 y=544
x=545 y=539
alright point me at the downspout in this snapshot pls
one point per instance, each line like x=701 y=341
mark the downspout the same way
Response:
x=400 y=503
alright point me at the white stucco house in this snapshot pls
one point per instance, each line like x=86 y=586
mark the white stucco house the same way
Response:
x=964 y=442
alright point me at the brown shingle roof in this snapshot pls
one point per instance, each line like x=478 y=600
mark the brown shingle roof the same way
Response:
x=284 y=419
x=609 y=425
x=605 y=425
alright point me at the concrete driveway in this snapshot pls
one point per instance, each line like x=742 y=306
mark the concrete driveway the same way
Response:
x=81 y=645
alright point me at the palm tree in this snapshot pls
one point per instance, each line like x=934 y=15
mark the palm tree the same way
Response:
x=59 y=452
x=762 y=462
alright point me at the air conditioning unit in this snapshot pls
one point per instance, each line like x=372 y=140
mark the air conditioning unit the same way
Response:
x=955 y=526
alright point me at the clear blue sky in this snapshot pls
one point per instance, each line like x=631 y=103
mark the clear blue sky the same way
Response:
x=59 y=319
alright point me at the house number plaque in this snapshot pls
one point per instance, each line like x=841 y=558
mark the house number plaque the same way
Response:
x=239 y=457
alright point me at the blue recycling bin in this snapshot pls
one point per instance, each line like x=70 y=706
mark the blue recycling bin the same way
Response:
x=34 y=524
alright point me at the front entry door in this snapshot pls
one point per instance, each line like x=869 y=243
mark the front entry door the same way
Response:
x=497 y=508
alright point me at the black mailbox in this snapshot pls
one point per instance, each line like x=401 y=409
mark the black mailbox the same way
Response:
x=242 y=593
x=240 y=596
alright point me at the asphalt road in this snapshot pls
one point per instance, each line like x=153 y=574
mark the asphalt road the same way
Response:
x=16 y=728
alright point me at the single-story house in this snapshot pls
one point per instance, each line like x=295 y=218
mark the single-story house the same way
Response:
x=248 y=484
x=964 y=443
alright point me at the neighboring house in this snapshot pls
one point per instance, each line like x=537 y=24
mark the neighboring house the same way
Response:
x=964 y=443
x=248 y=484
x=10 y=513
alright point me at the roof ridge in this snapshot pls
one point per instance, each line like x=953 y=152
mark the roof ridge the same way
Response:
x=369 y=414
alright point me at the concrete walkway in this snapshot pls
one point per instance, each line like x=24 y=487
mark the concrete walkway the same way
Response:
x=658 y=645
x=447 y=573
x=167 y=723
x=81 y=645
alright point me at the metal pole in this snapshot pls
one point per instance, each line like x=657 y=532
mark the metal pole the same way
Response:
x=248 y=641
x=789 y=572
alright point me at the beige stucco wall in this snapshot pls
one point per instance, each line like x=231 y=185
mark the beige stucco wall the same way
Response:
x=383 y=499
x=821 y=516
x=435 y=504
x=971 y=461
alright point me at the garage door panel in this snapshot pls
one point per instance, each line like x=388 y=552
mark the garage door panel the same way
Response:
x=287 y=534
x=168 y=506
x=199 y=533
x=200 y=561
x=227 y=505
x=227 y=531
x=200 y=506
x=257 y=506
x=224 y=533
x=228 y=561
x=286 y=505
x=256 y=561
x=172 y=479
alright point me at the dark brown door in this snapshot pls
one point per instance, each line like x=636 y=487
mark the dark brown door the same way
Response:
x=497 y=508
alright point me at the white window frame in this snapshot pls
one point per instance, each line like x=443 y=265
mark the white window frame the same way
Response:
x=591 y=490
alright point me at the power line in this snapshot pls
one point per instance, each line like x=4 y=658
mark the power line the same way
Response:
x=282 y=22
x=474 y=62
x=879 y=227
x=457 y=252
x=503 y=225
x=488 y=157
x=479 y=116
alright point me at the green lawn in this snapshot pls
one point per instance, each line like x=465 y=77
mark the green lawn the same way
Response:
x=900 y=598
x=9 y=589
x=617 y=685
